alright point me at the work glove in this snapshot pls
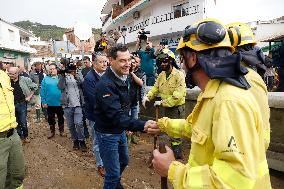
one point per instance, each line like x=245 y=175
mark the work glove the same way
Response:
x=144 y=100
x=158 y=103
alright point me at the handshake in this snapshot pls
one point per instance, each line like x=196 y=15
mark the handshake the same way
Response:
x=151 y=127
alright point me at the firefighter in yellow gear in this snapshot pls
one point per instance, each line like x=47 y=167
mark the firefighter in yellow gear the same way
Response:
x=228 y=133
x=170 y=85
x=11 y=152
x=243 y=40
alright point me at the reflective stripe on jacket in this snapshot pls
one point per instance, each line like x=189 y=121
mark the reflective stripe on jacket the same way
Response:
x=228 y=147
x=7 y=110
x=172 y=89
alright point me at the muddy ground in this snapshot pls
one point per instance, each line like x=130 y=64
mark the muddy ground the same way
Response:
x=52 y=164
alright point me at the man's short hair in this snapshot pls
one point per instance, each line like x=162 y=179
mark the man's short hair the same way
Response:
x=96 y=54
x=53 y=64
x=86 y=58
x=118 y=47
x=37 y=63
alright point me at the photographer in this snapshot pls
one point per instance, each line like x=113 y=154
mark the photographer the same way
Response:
x=102 y=44
x=72 y=100
x=137 y=80
x=148 y=60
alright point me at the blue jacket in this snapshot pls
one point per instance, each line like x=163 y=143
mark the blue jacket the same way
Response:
x=148 y=61
x=89 y=84
x=49 y=92
x=112 y=106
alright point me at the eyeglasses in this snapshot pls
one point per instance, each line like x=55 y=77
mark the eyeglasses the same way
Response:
x=165 y=61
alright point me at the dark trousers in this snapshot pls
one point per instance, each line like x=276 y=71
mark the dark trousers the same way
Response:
x=176 y=112
x=21 y=117
x=51 y=111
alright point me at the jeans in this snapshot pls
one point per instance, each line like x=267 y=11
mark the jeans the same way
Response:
x=134 y=110
x=114 y=153
x=86 y=130
x=74 y=118
x=96 y=150
x=12 y=165
x=21 y=117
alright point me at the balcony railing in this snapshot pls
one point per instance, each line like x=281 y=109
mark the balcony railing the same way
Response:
x=165 y=17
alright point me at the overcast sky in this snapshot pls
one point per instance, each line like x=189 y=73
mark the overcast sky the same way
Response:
x=66 y=13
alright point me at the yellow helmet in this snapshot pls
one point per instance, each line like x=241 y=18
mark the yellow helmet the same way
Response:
x=240 y=34
x=166 y=53
x=206 y=34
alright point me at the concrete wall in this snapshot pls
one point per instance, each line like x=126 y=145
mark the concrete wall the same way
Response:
x=275 y=153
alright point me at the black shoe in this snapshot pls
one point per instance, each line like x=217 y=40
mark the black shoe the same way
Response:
x=177 y=151
x=76 y=145
x=83 y=146
x=119 y=186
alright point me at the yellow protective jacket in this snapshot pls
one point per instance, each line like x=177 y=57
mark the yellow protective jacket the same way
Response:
x=172 y=89
x=7 y=108
x=229 y=140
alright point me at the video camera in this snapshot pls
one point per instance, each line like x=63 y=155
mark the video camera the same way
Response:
x=68 y=65
x=143 y=35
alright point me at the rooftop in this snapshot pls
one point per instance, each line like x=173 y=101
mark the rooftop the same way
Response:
x=22 y=31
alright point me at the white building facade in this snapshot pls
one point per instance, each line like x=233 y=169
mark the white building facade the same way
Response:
x=165 y=19
x=14 y=46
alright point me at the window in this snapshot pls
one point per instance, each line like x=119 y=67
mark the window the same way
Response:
x=180 y=10
x=11 y=35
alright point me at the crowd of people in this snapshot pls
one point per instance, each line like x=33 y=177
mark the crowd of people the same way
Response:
x=228 y=128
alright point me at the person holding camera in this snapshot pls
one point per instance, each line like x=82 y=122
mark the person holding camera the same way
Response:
x=102 y=43
x=50 y=96
x=137 y=81
x=148 y=61
x=72 y=100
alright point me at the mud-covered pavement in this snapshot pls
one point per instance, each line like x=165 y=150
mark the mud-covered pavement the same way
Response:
x=52 y=164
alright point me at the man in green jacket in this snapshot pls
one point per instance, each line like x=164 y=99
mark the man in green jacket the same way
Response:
x=23 y=93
